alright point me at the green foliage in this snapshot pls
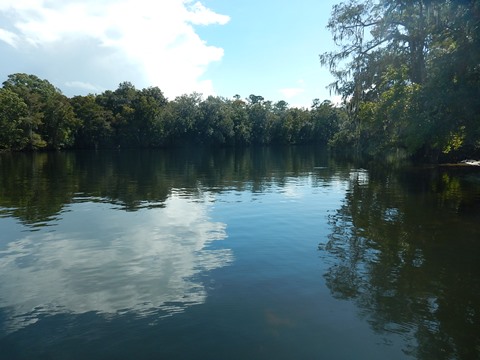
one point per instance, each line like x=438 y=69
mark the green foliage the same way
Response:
x=59 y=122
x=34 y=114
x=215 y=125
x=409 y=72
x=95 y=122
x=12 y=114
x=242 y=126
x=181 y=117
x=50 y=120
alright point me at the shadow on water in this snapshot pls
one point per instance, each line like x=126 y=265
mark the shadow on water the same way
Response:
x=405 y=248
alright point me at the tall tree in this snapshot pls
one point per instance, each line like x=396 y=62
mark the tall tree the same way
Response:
x=50 y=120
x=30 y=89
x=260 y=115
x=215 y=124
x=326 y=119
x=181 y=116
x=373 y=35
x=401 y=67
x=147 y=127
x=13 y=112
x=95 y=130
x=241 y=121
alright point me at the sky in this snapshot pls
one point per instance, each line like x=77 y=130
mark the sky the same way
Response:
x=215 y=47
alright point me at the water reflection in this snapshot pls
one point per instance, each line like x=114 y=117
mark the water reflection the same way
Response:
x=124 y=239
x=35 y=187
x=101 y=259
x=404 y=247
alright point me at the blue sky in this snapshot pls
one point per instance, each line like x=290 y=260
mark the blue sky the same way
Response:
x=219 y=47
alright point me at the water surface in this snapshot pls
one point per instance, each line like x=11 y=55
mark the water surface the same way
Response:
x=281 y=253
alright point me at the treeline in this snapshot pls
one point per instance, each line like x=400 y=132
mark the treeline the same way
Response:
x=36 y=115
x=409 y=72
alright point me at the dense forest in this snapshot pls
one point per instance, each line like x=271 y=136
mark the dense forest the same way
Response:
x=408 y=72
x=35 y=115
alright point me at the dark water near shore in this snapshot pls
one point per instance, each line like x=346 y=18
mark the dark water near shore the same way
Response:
x=279 y=253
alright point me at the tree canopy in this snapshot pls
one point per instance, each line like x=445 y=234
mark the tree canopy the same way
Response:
x=34 y=115
x=410 y=74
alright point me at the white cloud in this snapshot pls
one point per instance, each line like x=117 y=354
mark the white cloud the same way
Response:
x=9 y=37
x=200 y=15
x=289 y=93
x=156 y=40
x=140 y=267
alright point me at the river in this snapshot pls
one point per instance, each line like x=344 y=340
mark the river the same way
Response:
x=268 y=253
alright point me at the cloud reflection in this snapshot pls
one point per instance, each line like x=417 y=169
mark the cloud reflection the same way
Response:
x=106 y=260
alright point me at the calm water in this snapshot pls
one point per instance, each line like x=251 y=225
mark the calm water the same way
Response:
x=255 y=254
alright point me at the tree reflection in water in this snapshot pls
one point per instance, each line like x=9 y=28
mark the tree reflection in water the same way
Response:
x=36 y=187
x=405 y=249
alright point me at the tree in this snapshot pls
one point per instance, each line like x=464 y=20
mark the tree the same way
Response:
x=260 y=116
x=95 y=130
x=326 y=120
x=406 y=70
x=13 y=111
x=30 y=89
x=60 y=123
x=241 y=122
x=181 y=116
x=148 y=125
x=215 y=124
x=50 y=120
x=373 y=35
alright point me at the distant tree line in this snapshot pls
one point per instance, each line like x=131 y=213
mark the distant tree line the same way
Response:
x=36 y=115
x=409 y=74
